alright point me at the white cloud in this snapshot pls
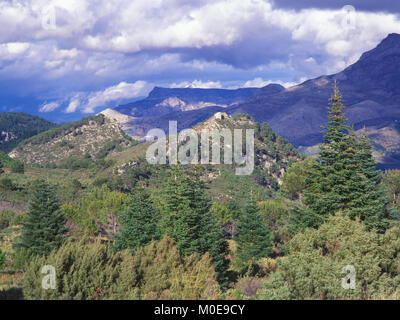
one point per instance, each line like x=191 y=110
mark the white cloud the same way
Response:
x=73 y=105
x=197 y=84
x=13 y=50
x=88 y=102
x=260 y=82
x=49 y=107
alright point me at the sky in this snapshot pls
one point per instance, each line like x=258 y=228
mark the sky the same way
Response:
x=63 y=59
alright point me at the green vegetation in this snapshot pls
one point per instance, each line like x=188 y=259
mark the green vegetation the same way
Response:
x=44 y=227
x=96 y=212
x=139 y=223
x=313 y=268
x=138 y=231
x=344 y=179
x=186 y=217
x=90 y=271
x=253 y=240
x=18 y=127
x=6 y=218
x=2 y=259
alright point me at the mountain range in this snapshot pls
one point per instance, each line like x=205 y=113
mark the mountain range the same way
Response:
x=371 y=94
x=188 y=106
x=370 y=89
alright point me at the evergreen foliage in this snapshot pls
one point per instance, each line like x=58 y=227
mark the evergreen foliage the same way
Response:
x=2 y=259
x=44 y=226
x=139 y=222
x=93 y=212
x=344 y=179
x=313 y=269
x=253 y=239
x=20 y=126
x=83 y=272
x=186 y=217
x=90 y=271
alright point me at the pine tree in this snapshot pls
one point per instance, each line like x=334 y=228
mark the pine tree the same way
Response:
x=253 y=239
x=371 y=203
x=213 y=242
x=344 y=179
x=186 y=217
x=44 y=226
x=180 y=213
x=139 y=222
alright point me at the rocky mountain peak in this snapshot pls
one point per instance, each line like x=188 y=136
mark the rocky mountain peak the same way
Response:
x=388 y=46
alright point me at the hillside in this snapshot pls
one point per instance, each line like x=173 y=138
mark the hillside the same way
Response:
x=15 y=127
x=90 y=138
x=273 y=155
x=371 y=91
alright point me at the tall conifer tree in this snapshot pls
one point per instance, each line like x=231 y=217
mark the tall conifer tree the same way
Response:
x=253 y=239
x=139 y=222
x=344 y=179
x=186 y=217
x=44 y=226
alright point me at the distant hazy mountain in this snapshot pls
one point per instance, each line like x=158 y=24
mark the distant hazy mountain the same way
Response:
x=166 y=100
x=15 y=127
x=371 y=94
x=188 y=106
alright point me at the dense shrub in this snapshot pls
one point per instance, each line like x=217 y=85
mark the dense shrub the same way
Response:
x=90 y=271
x=83 y=271
x=17 y=167
x=6 y=218
x=313 y=268
x=17 y=219
x=21 y=257
x=93 y=210
x=294 y=180
x=6 y=184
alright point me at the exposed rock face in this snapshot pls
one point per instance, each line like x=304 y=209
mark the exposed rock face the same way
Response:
x=371 y=94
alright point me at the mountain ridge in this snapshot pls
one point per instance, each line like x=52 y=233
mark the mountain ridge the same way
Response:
x=371 y=94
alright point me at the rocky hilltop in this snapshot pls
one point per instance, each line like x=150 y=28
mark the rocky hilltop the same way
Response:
x=91 y=138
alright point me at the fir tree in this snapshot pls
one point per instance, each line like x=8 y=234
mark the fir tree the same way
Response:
x=139 y=222
x=186 y=217
x=212 y=241
x=344 y=179
x=370 y=203
x=253 y=239
x=44 y=226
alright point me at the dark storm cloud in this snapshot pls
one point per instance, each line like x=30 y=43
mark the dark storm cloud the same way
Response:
x=258 y=48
